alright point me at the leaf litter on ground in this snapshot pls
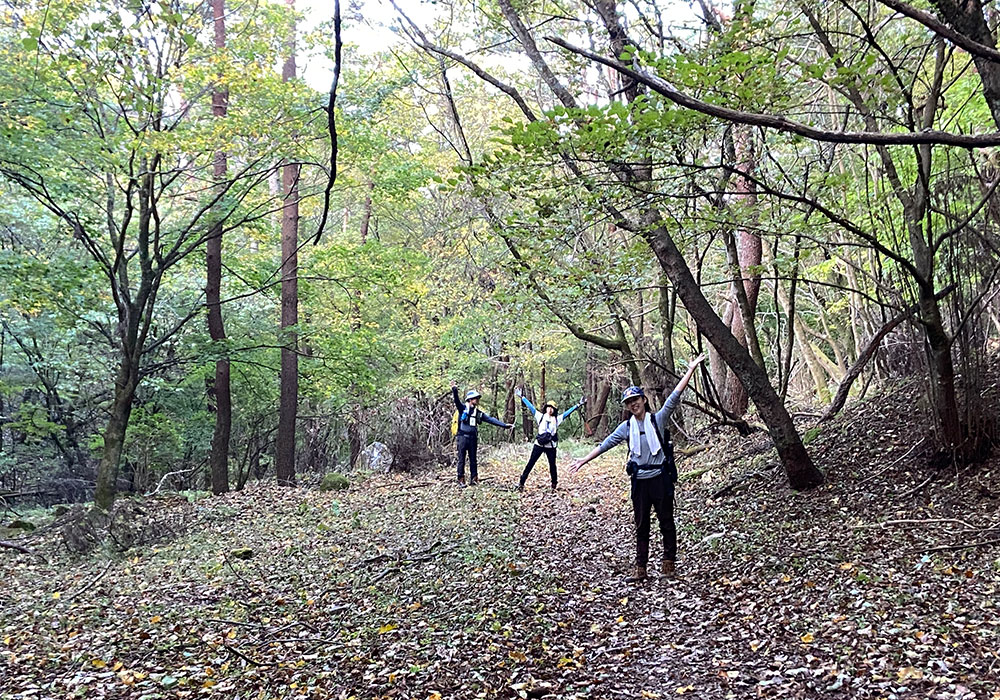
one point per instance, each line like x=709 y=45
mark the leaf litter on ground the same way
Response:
x=386 y=590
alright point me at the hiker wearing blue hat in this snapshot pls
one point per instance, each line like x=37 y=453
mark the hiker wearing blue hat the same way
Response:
x=469 y=416
x=650 y=467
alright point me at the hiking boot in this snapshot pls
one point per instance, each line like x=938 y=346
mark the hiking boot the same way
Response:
x=667 y=568
x=474 y=481
x=520 y=488
x=639 y=576
x=461 y=481
x=554 y=487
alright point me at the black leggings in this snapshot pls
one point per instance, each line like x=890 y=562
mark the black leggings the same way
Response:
x=536 y=452
x=467 y=446
x=653 y=494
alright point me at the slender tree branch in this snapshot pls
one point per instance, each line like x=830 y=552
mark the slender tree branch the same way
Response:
x=770 y=121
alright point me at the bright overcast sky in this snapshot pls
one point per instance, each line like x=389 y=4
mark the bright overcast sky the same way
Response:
x=374 y=35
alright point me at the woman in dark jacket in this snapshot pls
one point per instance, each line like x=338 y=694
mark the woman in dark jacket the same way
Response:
x=467 y=438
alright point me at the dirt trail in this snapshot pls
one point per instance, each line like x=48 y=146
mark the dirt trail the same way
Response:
x=409 y=587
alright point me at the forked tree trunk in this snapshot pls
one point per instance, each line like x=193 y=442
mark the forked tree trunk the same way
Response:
x=289 y=393
x=221 y=399
x=114 y=434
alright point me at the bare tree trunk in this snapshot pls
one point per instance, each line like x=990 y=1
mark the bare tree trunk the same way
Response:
x=943 y=394
x=745 y=287
x=289 y=394
x=221 y=399
x=541 y=385
x=366 y=215
x=114 y=433
x=354 y=436
x=805 y=347
x=3 y=339
x=967 y=17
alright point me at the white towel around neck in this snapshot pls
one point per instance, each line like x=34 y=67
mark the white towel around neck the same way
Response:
x=547 y=423
x=652 y=439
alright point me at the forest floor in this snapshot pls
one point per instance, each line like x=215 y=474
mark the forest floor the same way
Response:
x=409 y=587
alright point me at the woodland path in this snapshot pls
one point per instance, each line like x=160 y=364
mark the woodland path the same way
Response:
x=409 y=587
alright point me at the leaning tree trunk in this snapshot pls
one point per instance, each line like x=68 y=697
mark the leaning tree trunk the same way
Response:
x=799 y=468
x=222 y=398
x=114 y=433
x=289 y=394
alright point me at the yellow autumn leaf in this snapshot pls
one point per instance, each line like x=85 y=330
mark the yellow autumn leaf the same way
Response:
x=846 y=566
x=98 y=663
x=118 y=666
x=685 y=689
x=154 y=619
x=435 y=695
x=387 y=627
x=808 y=638
x=57 y=595
x=910 y=673
x=649 y=694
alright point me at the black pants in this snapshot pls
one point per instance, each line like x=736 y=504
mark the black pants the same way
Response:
x=656 y=494
x=536 y=452
x=467 y=446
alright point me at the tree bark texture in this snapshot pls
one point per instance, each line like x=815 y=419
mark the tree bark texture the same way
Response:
x=221 y=399
x=114 y=434
x=745 y=289
x=289 y=378
x=799 y=468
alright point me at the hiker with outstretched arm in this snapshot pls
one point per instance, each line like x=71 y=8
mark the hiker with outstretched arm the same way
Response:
x=467 y=437
x=650 y=466
x=547 y=439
